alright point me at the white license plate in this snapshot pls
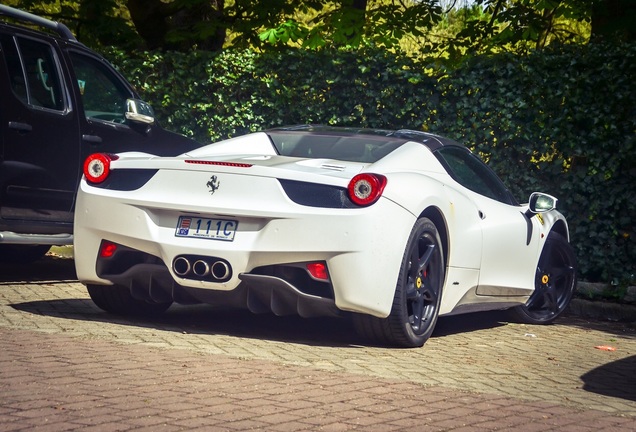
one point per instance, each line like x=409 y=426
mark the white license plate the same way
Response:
x=214 y=229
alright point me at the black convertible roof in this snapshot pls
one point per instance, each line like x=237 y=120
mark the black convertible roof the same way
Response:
x=430 y=140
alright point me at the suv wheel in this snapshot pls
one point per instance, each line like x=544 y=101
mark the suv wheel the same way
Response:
x=22 y=254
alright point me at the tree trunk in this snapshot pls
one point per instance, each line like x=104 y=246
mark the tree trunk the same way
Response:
x=149 y=17
x=614 y=20
x=179 y=26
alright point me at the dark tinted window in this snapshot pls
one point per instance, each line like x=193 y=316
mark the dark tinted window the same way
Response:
x=33 y=72
x=352 y=148
x=103 y=94
x=469 y=171
x=17 y=80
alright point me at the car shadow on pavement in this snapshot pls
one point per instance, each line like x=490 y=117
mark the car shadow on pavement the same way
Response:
x=449 y=325
x=209 y=320
x=206 y=319
x=615 y=379
x=49 y=268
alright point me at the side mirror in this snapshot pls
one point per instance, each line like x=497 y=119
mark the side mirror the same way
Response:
x=139 y=111
x=540 y=202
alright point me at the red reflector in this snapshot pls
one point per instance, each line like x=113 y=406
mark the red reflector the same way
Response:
x=228 y=164
x=107 y=249
x=318 y=270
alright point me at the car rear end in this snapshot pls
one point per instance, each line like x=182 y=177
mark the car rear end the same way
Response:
x=276 y=233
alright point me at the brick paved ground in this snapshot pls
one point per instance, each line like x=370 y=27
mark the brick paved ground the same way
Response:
x=65 y=365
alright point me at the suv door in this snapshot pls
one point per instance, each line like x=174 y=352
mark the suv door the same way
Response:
x=38 y=175
x=103 y=125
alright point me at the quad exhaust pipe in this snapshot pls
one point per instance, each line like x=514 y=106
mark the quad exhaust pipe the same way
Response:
x=202 y=268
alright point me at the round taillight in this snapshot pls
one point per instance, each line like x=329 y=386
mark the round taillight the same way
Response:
x=365 y=189
x=97 y=167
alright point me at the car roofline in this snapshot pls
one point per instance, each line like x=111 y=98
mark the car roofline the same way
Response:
x=432 y=141
x=20 y=15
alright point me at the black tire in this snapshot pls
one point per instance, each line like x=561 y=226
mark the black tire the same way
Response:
x=417 y=295
x=555 y=282
x=117 y=300
x=22 y=254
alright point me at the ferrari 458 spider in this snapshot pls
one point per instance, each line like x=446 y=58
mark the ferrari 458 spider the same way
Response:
x=390 y=228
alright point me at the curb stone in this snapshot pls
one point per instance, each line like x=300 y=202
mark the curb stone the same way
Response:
x=602 y=310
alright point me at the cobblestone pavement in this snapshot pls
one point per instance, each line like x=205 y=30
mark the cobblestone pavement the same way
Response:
x=66 y=365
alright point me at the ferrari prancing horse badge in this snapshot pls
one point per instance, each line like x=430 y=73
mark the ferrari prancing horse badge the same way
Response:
x=213 y=184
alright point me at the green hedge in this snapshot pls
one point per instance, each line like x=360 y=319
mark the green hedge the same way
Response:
x=562 y=121
x=210 y=96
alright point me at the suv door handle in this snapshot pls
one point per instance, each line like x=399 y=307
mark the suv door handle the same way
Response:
x=22 y=127
x=92 y=138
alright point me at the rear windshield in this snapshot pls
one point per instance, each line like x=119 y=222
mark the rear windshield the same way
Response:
x=351 y=148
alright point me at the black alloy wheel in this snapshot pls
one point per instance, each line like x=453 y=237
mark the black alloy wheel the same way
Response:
x=418 y=292
x=555 y=282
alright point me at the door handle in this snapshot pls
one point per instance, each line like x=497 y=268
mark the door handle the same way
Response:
x=92 y=139
x=21 y=127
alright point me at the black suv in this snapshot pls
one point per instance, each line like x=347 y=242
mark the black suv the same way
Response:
x=59 y=102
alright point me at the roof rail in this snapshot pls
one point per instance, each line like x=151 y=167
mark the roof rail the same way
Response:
x=20 y=15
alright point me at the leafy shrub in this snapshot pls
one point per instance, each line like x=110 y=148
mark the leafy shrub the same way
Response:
x=561 y=121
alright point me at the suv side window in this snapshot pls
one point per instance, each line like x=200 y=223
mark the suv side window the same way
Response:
x=103 y=94
x=33 y=72
x=469 y=171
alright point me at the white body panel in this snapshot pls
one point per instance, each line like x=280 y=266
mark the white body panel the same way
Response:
x=488 y=258
x=284 y=233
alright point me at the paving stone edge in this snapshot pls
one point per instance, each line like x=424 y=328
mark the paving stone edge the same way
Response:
x=602 y=310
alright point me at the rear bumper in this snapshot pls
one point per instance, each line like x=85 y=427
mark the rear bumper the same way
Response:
x=362 y=248
x=257 y=293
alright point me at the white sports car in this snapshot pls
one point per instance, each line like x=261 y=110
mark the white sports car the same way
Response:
x=391 y=228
